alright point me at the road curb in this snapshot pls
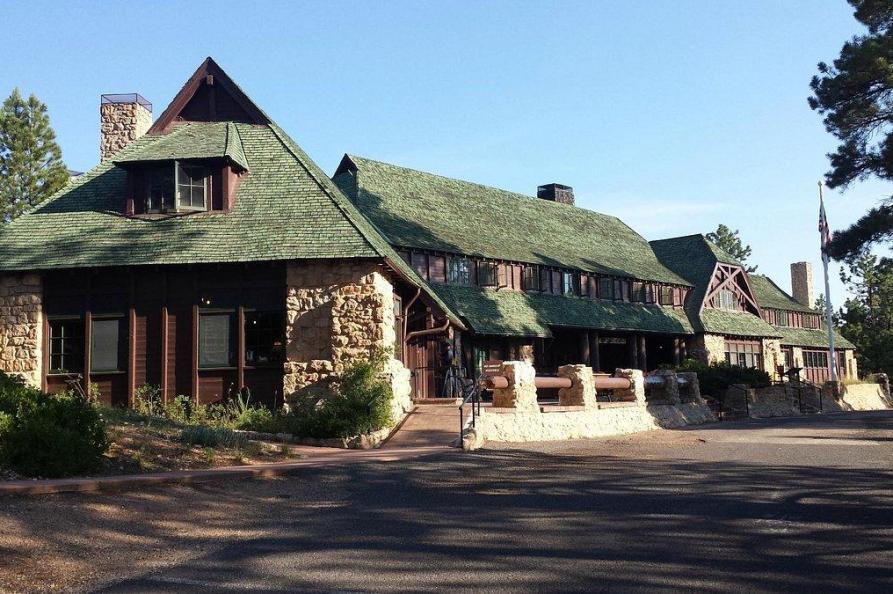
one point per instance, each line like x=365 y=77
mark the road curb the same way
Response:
x=134 y=481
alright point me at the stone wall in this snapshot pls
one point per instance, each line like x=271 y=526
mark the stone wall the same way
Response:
x=339 y=312
x=772 y=356
x=709 y=348
x=852 y=367
x=21 y=326
x=516 y=416
x=121 y=124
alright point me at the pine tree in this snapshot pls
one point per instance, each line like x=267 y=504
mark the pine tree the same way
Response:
x=31 y=166
x=866 y=319
x=731 y=243
x=855 y=96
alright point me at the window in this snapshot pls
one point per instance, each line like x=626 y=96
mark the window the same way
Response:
x=811 y=321
x=744 y=353
x=191 y=187
x=531 y=279
x=815 y=359
x=649 y=294
x=605 y=287
x=460 y=271
x=216 y=340
x=66 y=346
x=545 y=280
x=679 y=296
x=160 y=191
x=437 y=269
x=781 y=318
x=263 y=337
x=569 y=284
x=106 y=345
x=621 y=290
x=727 y=300
x=487 y=274
x=420 y=264
x=638 y=291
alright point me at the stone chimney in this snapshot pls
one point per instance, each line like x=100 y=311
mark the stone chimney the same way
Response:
x=556 y=193
x=123 y=119
x=801 y=283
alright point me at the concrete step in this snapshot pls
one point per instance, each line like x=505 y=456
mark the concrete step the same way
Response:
x=440 y=401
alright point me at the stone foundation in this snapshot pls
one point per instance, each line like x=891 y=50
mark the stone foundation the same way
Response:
x=21 y=327
x=772 y=357
x=781 y=401
x=339 y=312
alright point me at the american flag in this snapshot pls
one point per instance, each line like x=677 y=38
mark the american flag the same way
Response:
x=824 y=230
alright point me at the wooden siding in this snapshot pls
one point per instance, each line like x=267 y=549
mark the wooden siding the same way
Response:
x=159 y=308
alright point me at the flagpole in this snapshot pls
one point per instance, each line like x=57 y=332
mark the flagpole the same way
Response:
x=832 y=360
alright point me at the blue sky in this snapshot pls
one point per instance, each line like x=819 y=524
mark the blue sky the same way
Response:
x=673 y=115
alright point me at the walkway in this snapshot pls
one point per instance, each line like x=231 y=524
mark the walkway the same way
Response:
x=428 y=426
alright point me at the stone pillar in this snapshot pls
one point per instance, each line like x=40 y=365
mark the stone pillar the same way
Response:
x=772 y=357
x=337 y=312
x=689 y=386
x=637 y=388
x=21 y=327
x=527 y=353
x=123 y=119
x=677 y=351
x=668 y=391
x=521 y=391
x=582 y=390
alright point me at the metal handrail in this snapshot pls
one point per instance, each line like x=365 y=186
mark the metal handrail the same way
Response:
x=472 y=391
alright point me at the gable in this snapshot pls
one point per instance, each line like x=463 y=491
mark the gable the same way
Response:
x=209 y=95
x=730 y=279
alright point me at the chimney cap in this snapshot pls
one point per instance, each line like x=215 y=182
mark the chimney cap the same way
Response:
x=122 y=98
x=555 y=186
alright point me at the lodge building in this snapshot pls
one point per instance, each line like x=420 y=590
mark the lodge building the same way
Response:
x=207 y=253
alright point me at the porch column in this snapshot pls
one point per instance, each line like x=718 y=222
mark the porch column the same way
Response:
x=632 y=349
x=584 y=347
x=594 y=358
x=677 y=351
x=643 y=357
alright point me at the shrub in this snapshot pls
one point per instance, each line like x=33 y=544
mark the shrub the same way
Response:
x=715 y=378
x=360 y=404
x=212 y=437
x=13 y=391
x=53 y=436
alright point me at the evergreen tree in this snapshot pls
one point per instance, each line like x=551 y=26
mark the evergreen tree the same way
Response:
x=730 y=242
x=31 y=166
x=866 y=319
x=855 y=96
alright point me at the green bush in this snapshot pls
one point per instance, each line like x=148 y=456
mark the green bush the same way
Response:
x=360 y=404
x=715 y=378
x=13 y=391
x=53 y=436
x=212 y=437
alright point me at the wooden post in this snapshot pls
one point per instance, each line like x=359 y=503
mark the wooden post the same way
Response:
x=594 y=356
x=584 y=347
x=677 y=350
x=88 y=352
x=633 y=351
x=131 y=343
x=643 y=353
x=195 y=380
x=164 y=352
x=240 y=350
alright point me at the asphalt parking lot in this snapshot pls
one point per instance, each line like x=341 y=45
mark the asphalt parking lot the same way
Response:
x=785 y=505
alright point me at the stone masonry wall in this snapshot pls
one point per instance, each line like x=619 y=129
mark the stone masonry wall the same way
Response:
x=772 y=357
x=338 y=312
x=121 y=124
x=21 y=326
x=709 y=348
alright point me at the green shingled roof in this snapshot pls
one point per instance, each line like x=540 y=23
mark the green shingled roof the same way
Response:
x=425 y=211
x=806 y=337
x=735 y=323
x=195 y=140
x=770 y=295
x=513 y=313
x=286 y=208
x=694 y=257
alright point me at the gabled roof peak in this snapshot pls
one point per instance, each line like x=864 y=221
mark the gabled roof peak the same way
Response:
x=209 y=95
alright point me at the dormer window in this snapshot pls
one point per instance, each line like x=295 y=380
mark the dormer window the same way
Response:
x=192 y=187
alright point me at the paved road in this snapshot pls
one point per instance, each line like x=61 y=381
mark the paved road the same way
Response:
x=793 y=505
